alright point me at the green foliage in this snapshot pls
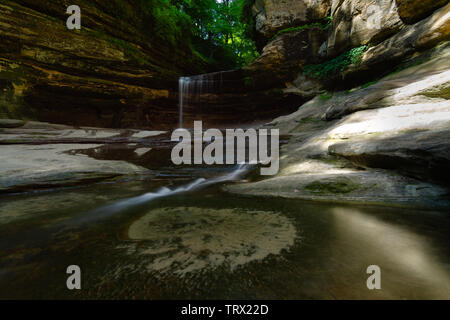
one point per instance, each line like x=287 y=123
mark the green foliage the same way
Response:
x=248 y=81
x=130 y=52
x=368 y=84
x=170 y=23
x=247 y=19
x=213 y=28
x=407 y=65
x=160 y=18
x=336 y=65
x=336 y=187
x=326 y=96
x=327 y=22
x=231 y=31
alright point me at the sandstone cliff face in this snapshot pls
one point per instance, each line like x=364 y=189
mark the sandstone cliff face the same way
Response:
x=410 y=42
x=381 y=34
x=377 y=128
x=274 y=15
x=358 y=23
x=384 y=144
x=375 y=72
x=285 y=55
x=412 y=11
x=111 y=73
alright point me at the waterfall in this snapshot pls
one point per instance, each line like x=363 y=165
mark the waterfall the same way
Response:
x=190 y=90
x=181 y=88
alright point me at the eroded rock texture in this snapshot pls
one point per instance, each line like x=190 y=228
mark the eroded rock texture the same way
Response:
x=349 y=43
x=358 y=23
x=274 y=15
x=413 y=10
x=111 y=73
x=384 y=143
x=376 y=74
x=284 y=56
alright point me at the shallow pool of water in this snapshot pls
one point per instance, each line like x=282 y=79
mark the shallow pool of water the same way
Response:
x=211 y=245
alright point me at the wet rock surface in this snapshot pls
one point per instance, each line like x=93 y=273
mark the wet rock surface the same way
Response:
x=32 y=167
x=42 y=155
x=11 y=123
x=384 y=143
x=384 y=140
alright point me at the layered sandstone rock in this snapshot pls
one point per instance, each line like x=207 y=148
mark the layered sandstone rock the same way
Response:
x=274 y=15
x=111 y=73
x=282 y=57
x=38 y=155
x=374 y=29
x=413 y=10
x=403 y=46
x=383 y=143
x=358 y=23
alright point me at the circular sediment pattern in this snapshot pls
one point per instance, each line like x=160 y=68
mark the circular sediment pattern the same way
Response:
x=188 y=239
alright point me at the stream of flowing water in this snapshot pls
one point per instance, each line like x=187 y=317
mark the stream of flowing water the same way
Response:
x=191 y=88
x=116 y=207
x=176 y=234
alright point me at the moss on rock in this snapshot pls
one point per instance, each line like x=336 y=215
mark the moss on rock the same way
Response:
x=337 y=186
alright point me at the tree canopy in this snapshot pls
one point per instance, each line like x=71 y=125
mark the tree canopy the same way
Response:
x=215 y=29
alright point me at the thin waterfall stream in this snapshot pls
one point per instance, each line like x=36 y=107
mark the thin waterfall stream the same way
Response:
x=174 y=232
x=190 y=92
x=191 y=89
x=224 y=150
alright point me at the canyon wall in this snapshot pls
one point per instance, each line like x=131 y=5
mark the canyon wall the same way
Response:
x=311 y=45
x=117 y=72
x=376 y=129
x=114 y=72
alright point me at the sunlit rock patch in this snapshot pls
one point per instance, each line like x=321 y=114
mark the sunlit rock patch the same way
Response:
x=187 y=239
x=384 y=143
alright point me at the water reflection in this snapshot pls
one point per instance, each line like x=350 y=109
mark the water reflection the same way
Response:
x=407 y=259
x=183 y=240
x=207 y=244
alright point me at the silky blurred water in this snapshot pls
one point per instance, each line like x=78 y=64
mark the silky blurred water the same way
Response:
x=208 y=244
